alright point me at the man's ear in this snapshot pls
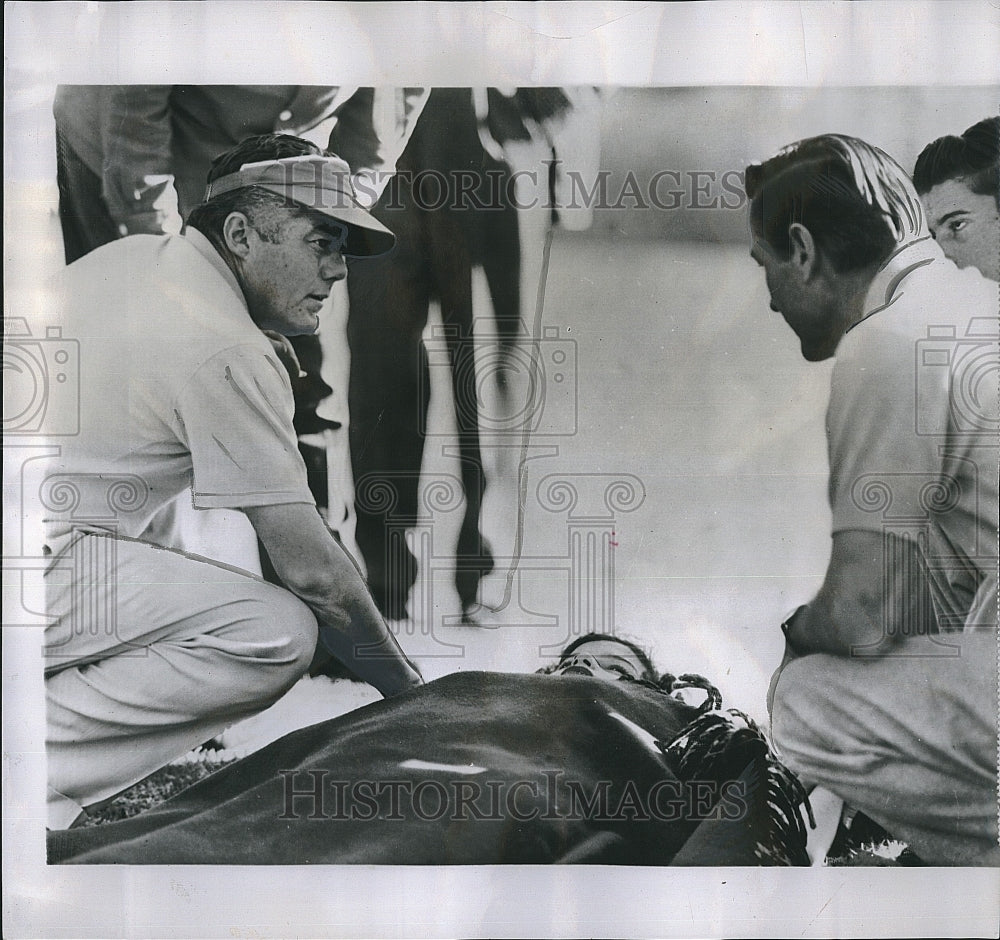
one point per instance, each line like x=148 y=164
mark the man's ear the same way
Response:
x=804 y=254
x=236 y=234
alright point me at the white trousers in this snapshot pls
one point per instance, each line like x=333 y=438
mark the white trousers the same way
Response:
x=152 y=652
x=909 y=739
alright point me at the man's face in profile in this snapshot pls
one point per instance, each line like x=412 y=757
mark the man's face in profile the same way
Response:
x=605 y=659
x=292 y=262
x=803 y=305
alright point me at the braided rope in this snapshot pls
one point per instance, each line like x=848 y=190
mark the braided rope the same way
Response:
x=719 y=745
x=691 y=680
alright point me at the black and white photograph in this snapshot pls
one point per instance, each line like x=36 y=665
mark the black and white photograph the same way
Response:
x=544 y=483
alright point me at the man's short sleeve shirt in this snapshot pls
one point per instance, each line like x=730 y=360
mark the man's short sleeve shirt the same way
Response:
x=178 y=388
x=913 y=421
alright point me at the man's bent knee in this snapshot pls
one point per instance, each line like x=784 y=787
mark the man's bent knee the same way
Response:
x=794 y=709
x=819 y=723
x=281 y=639
x=295 y=626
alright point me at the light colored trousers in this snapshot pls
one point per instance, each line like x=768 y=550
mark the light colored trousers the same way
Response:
x=152 y=652
x=909 y=739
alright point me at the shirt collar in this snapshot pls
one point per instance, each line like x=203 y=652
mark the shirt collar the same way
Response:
x=212 y=256
x=885 y=287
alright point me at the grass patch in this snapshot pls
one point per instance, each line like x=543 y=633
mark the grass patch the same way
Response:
x=889 y=853
x=155 y=789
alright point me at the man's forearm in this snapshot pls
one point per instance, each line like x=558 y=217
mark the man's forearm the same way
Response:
x=818 y=627
x=137 y=175
x=317 y=569
x=876 y=591
x=353 y=630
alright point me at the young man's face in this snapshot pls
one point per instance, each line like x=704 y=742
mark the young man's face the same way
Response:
x=602 y=659
x=287 y=279
x=966 y=225
x=803 y=308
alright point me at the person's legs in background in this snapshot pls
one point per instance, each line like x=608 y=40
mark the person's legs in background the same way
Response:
x=83 y=214
x=500 y=257
x=451 y=261
x=388 y=396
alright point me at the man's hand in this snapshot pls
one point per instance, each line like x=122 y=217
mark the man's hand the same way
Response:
x=286 y=354
x=165 y=204
x=154 y=209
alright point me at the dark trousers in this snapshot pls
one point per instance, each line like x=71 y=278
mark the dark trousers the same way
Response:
x=390 y=386
x=83 y=215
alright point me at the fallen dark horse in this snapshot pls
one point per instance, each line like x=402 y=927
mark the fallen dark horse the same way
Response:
x=486 y=768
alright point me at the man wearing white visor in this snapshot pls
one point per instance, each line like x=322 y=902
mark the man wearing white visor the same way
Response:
x=151 y=651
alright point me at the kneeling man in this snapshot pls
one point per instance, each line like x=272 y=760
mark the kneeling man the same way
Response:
x=887 y=695
x=151 y=651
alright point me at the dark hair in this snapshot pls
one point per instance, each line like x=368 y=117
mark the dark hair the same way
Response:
x=973 y=158
x=209 y=217
x=854 y=199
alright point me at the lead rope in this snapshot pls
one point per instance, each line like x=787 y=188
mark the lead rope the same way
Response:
x=536 y=371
